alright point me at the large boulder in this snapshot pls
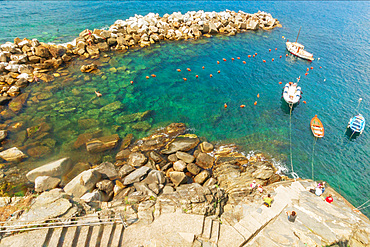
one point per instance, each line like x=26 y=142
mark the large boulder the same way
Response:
x=205 y=161
x=93 y=50
x=106 y=186
x=125 y=170
x=155 y=176
x=42 y=51
x=54 y=169
x=179 y=165
x=95 y=196
x=178 y=178
x=188 y=158
x=202 y=177
x=12 y=155
x=193 y=168
x=83 y=183
x=48 y=205
x=101 y=144
x=43 y=183
x=17 y=104
x=136 y=176
x=136 y=159
x=107 y=170
x=88 y=68
x=181 y=143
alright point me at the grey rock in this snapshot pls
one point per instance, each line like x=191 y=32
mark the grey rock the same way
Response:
x=264 y=171
x=193 y=168
x=155 y=176
x=210 y=182
x=172 y=158
x=156 y=157
x=136 y=176
x=105 y=185
x=188 y=158
x=179 y=166
x=181 y=144
x=168 y=189
x=205 y=161
x=3 y=134
x=144 y=189
x=154 y=187
x=54 y=169
x=202 y=177
x=43 y=183
x=125 y=170
x=178 y=178
x=82 y=183
x=107 y=170
x=136 y=159
x=123 y=154
x=206 y=147
x=12 y=155
x=50 y=204
x=96 y=195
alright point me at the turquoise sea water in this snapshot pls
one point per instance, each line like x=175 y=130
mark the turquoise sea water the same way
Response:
x=335 y=32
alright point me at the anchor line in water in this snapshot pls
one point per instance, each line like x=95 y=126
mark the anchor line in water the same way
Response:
x=290 y=138
x=362 y=205
x=313 y=156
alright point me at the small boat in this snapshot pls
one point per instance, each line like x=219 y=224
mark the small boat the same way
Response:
x=298 y=50
x=317 y=127
x=357 y=124
x=292 y=93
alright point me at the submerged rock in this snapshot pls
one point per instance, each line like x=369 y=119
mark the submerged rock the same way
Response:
x=12 y=155
x=102 y=144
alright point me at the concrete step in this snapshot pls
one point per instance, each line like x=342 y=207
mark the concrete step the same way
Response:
x=69 y=236
x=207 y=228
x=107 y=236
x=95 y=240
x=250 y=223
x=84 y=236
x=117 y=239
x=54 y=238
x=215 y=234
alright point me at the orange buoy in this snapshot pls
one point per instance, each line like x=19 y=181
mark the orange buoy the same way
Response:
x=281 y=56
x=242 y=106
x=272 y=59
x=264 y=61
x=178 y=70
x=306 y=74
x=147 y=77
x=232 y=59
x=244 y=62
x=286 y=55
x=131 y=82
x=185 y=79
x=308 y=69
x=188 y=69
x=210 y=75
x=253 y=55
x=311 y=67
x=280 y=82
x=238 y=58
x=249 y=55
x=320 y=67
x=218 y=62
x=219 y=72
x=269 y=49
x=290 y=83
x=153 y=75
x=196 y=76
x=305 y=102
x=224 y=59
x=255 y=102
x=225 y=105
x=258 y=95
x=275 y=49
x=203 y=67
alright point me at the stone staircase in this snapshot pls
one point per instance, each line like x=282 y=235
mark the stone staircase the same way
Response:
x=210 y=233
x=97 y=235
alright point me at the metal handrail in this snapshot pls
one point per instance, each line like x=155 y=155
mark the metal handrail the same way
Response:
x=79 y=217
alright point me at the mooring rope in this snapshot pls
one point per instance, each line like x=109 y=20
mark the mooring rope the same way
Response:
x=361 y=206
x=290 y=137
x=313 y=155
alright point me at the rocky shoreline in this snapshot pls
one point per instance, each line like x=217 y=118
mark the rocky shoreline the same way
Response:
x=172 y=173
x=27 y=61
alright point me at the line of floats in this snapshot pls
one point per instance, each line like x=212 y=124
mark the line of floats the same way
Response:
x=292 y=93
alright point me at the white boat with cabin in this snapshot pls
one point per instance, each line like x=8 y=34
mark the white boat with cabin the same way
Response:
x=298 y=50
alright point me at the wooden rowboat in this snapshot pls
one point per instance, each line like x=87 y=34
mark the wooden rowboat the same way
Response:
x=317 y=127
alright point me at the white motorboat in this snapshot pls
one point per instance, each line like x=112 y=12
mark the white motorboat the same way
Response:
x=298 y=50
x=292 y=93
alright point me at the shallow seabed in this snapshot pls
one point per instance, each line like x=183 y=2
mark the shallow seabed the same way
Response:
x=331 y=92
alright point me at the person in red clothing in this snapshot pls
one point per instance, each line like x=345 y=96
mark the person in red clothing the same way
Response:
x=329 y=199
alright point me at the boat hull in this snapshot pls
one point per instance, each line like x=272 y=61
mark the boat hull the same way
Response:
x=292 y=93
x=298 y=50
x=317 y=127
x=357 y=124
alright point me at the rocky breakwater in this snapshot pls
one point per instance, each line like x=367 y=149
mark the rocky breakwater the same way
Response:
x=26 y=61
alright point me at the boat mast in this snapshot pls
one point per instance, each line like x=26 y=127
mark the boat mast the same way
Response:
x=298 y=34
